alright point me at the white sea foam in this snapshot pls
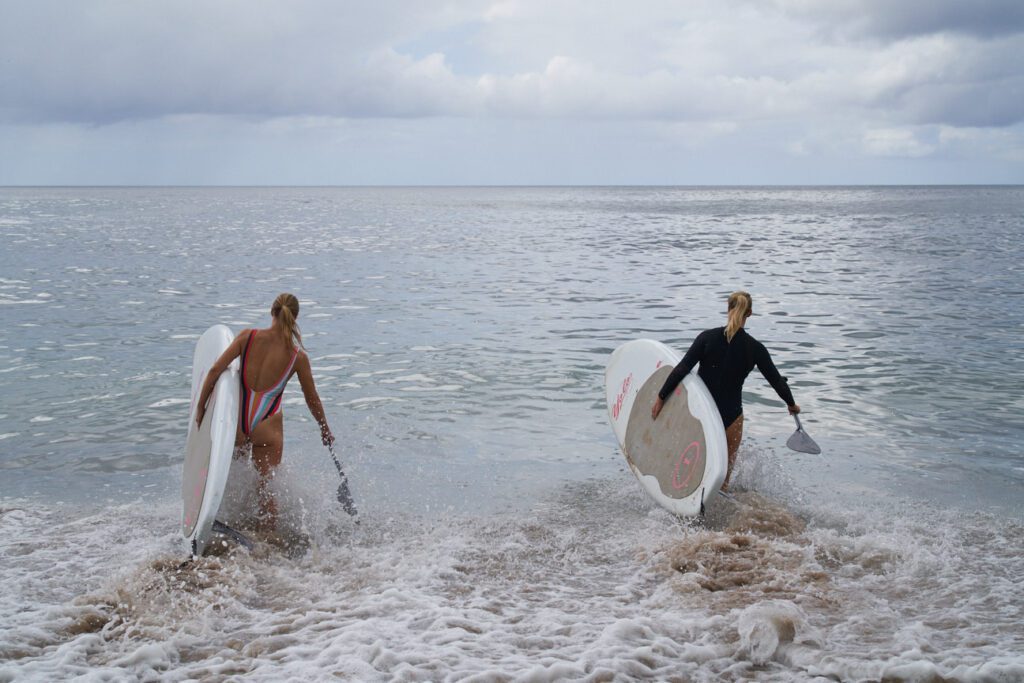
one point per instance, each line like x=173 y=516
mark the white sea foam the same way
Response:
x=91 y=398
x=365 y=400
x=374 y=373
x=418 y=377
x=164 y=402
x=17 y=368
x=471 y=377
x=591 y=583
x=433 y=387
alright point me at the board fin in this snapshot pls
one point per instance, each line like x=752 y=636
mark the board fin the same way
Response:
x=237 y=536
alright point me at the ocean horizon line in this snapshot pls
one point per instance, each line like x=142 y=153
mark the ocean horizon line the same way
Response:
x=515 y=186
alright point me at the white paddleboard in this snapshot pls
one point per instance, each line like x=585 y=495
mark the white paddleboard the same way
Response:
x=208 y=449
x=681 y=458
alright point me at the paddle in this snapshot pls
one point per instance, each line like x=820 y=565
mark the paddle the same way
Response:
x=344 y=495
x=801 y=442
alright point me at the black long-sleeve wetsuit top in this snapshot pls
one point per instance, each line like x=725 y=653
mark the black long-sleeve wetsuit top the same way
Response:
x=723 y=367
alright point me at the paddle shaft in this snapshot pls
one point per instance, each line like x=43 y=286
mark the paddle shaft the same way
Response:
x=344 y=495
x=330 y=448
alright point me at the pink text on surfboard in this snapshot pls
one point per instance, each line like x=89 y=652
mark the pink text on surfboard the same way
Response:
x=617 y=407
x=687 y=458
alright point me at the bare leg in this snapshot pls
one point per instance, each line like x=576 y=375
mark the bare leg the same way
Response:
x=267 y=449
x=733 y=436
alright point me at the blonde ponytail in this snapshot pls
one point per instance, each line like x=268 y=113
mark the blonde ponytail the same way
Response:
x=286 y=309
x=740 y=307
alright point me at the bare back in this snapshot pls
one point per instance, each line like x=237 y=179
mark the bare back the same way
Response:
x=269 y=356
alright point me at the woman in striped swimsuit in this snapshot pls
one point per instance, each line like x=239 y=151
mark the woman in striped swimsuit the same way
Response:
x=269 y=359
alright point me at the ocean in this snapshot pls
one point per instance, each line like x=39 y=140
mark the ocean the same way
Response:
x=458 y=338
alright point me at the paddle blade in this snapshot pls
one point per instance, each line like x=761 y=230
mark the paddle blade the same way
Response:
x=344 y=495
x=802 y=443
x=345 y=498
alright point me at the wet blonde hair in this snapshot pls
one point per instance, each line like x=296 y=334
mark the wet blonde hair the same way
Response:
x=740 y=307
x=286 y=309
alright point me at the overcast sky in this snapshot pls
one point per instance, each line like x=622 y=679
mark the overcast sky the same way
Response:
x=318 y=92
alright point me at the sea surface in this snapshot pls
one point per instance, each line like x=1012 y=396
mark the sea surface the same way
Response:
x=458 y=338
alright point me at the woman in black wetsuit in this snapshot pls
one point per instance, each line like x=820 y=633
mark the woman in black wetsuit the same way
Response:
x=726 y=356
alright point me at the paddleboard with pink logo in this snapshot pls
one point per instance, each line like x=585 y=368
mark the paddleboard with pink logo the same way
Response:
x=681 y=458
x=208 y=449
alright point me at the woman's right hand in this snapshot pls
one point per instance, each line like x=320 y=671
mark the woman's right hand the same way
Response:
x=326 y=436
x=794 y=409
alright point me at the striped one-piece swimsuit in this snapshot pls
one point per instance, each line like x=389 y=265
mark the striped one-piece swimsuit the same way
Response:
x=257 y=406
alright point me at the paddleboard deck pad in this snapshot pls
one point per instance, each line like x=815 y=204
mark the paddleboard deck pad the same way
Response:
x=681 y=458
x=209 y=447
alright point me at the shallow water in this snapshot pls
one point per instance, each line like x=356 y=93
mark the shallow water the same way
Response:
x=458 y=338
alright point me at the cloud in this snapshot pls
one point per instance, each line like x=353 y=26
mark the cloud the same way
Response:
x=101 y=62
x=895 y=20
x=895 y=143
x=982 y=143
x=946 y=80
